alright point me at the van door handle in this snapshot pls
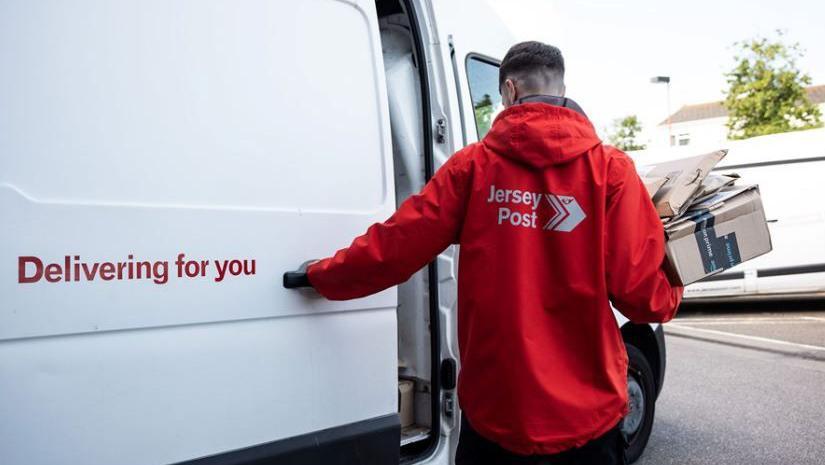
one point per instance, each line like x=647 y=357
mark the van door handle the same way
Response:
x=298 y=278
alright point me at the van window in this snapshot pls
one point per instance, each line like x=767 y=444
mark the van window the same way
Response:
x=482 y=76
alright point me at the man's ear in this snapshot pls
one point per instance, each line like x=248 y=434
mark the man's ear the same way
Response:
x=510 y=93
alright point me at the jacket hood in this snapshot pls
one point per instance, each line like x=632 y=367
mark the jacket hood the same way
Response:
x=540 y=135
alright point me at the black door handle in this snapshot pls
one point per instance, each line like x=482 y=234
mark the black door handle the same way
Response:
x=298 y=278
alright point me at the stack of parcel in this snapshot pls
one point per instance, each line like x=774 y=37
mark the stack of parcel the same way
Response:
x=712 y=223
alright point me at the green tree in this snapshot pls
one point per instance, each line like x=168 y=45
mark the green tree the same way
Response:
x=624 y=133
x=766 y=90
x=484 y=115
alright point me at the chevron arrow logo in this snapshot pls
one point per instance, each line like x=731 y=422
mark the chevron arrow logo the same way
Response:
x=567 y=213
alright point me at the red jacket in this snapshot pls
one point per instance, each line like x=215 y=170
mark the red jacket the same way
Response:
x=552 y=225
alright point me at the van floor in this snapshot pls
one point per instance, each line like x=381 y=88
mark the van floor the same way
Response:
x=414 y=433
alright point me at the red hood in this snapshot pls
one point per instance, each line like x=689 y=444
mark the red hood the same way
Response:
x=539 y=134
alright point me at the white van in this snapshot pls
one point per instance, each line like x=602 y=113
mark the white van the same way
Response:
x=162 y=164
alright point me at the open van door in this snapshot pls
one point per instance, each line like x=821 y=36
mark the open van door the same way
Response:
x=161 y=165
x=475 y=36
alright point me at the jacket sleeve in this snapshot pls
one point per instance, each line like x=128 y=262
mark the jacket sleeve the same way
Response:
x=390 y=252
x=635 y=245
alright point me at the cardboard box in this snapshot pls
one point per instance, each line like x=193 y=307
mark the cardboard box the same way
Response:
x=684 y=181
x=653 y=184
x=713 y=183
x=406 y=395
x=716 y=234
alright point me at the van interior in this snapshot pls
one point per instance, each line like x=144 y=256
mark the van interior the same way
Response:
x=416 y=351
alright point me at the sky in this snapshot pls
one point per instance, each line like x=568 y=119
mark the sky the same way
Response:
x=612 y=48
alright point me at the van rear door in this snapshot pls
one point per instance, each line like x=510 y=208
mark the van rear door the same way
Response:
x=161 y=165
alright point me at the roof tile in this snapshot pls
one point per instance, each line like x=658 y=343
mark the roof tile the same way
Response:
x=717 y=110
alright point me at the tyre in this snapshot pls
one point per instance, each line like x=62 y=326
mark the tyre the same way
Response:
x=641 y=390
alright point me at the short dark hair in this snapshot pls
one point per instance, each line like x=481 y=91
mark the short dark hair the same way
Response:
x=533 y=63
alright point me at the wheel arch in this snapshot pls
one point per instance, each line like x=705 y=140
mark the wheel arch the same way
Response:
x=652 y=344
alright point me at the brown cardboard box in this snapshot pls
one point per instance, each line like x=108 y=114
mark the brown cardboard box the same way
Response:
x=684 y=181
x=713 y=183
x=406 y=394
x=719 y=233
x=653 y=184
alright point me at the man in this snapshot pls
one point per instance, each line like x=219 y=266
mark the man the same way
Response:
x=552 y=225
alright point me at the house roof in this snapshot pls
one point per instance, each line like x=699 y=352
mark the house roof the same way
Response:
x=717 y=110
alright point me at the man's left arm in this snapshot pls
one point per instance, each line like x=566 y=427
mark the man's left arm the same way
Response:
x=390 y=252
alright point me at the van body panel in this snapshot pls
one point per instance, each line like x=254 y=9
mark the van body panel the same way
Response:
x=164 y=395
x=150 y=130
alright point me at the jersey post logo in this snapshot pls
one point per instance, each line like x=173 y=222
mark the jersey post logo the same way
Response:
x=564 y=212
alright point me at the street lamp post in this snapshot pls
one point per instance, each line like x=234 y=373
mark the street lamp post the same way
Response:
x=665 y=80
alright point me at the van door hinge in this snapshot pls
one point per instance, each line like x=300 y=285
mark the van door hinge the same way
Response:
x=441 y=130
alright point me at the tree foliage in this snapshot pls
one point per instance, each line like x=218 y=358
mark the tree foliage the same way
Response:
x=625 y=132
x=484 y=115
x=766 y=90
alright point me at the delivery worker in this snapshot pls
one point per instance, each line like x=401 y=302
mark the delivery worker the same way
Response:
x=553 y=226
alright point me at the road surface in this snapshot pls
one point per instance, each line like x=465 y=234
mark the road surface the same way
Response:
x=742 y=388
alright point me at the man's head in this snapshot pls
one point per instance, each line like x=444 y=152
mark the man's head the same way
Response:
x=530 y=68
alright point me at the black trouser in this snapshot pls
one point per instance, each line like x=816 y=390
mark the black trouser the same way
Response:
x=476 y=450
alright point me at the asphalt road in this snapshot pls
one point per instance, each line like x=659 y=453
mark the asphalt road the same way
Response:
x=742 y=388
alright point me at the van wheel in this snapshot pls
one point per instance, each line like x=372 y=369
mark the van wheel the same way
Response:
x=641 y=394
